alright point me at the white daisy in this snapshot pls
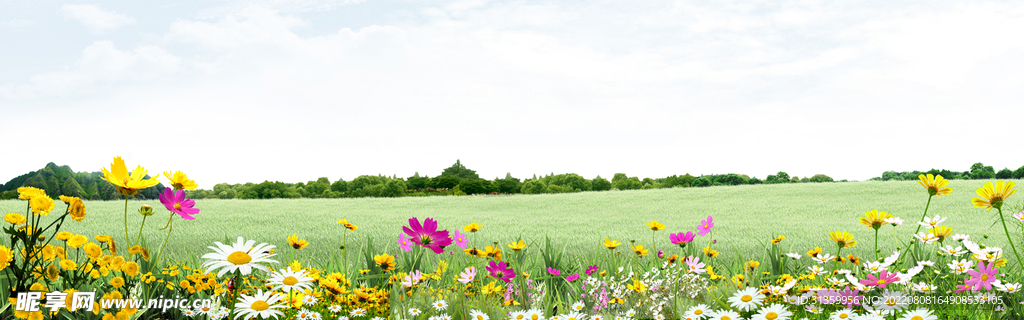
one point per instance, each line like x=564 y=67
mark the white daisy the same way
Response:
x=377 y=318
x=725 y=315
x=795 y=256
x=189 y=312
x=794 y=300
x=517 y=315
x=773 y=312
x=261 y=304
x=440 y=305
x=813 y=308
x=894 y=221
x=874 y=267
x=842 y=314
x=891 y=301
x=309 y=300
x=838 y=282
x=303 y=315
x=473 y=315
x=315 y=316
x=927 y=238
x=950 y=251
x=932 y=222
x=444 y=316
x=699 y=310
x=919 y=314
x=960 y=237
x=534 y=314
x=343 y=317
x=659 y=317
x=578 y=306
x=871 y=317
x=358 y=312
x=574 y=316
x=817 y=270
x=334 y=308
x=630 y=313
x=597 y=317
x=556 y=317
x=1007 y=287
x=414 y=312
x=923 y=287
x=746 y=299
x=823 y=258
x=287 y=280
x=241 y=256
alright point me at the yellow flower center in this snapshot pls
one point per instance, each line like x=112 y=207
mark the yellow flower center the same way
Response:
x=479 y=317
x=534 y=316
x=290 y=281
x=746 y=298
x=260 y=305
x=771 y=316
x=917 y=318
x=239 y=258
x=844 y=316
x=706 y=226
x=882 y=281
x=891 y=302
x=698 y=312
x=726 y=318
x=426 y=240
x=177 y=206
x=984 y=277
x=519 y=316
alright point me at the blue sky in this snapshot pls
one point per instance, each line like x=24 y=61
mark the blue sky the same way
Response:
x=291 y=90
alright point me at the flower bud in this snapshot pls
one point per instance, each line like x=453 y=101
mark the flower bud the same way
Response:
x=146 y=210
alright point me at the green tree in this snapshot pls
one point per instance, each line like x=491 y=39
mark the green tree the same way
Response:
x=1019 y=173
x=600 y=184
x=534 y=187
x=981 y=171
x=444 y=182
x=508 y=184
x=393 y=188
x=460 y=171
x=1004 y=174
x=340 y=186
x=418 y=182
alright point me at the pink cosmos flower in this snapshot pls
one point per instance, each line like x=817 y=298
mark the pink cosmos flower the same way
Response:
x=572 y=277
x=554 y=271
x=846 y=296
x=460 y=240
x=985 y=276
x=427 y=235
x=468 y=275
x=962 y=287
x=705 y=227
x=501 y=271
x=176 y=202
x=881 y=281
x=694 y=264
x=681 y=239
x=1019 y=216
x=591 y=269
x=404 y=243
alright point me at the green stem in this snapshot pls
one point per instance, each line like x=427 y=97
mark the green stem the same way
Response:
x=925 y=214
x=139 y=238
x=836 y=263
x=126 y=240
x=1001 y=219
x=876 y=244
x=170 y=227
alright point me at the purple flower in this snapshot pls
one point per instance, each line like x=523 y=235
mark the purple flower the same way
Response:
x=985 y=276
x=573 y=277
x=501 y=271
x=681 y=239
x=460 y=240
x=705 y=227
x=176 y=202
x=591 y=269
x=554 y=271
x=404 y=243
x=427 y=234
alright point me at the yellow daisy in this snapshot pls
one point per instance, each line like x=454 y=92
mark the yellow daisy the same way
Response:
x=655 y=225
x=993 y=197
x=180 y=181
x=297 y=243
x=14 y=218
x=611 y=244
x=874 y=219
x=473 y=227
x=128 y=184
x=843 y=239
x=936 y=184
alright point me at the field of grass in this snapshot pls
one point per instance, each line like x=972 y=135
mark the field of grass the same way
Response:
x=745 y=217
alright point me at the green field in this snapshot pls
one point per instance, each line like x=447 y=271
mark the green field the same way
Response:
x=745 y=217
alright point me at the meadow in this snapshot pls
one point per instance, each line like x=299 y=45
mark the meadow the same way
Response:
x=746 y=218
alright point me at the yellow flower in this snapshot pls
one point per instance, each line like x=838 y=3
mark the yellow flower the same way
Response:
x=874 y=218
x=41 y=205
x=611 y=244
x=814 y=252
x=6 y=256
x=180 y=181
x=92 y=250
x=14 y=218
x=349 y=226
x=77 y=241
x=751 y=265
x=941 y=232
x=128 y=184
x=492 y=252
x=117 y=282
x=68 y=265
x=639 y=250
x=52 y=273
x=993 y=197
x=516 y=246
x=655 y=225
x=709 y=252
x=936 y=185
x=842 y=238
x=385 y=261
x=297 y=243
x=473 y=227
x=27 y=193
x=778 y=239
x=76 y=208
x=64 y=235
x=636 y=286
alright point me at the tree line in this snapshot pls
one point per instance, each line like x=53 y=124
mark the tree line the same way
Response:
x=977 y=171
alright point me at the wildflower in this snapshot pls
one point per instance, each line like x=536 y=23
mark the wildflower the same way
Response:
x=746 y=299
x=919 y=314
x=814 y=252
x=655 y=225
x=823 y=258
x=534 y=314
x=554 y=271
x=639 y=250
x=993 y=197
x=894 y=221
x=14 y=218
x=413 y=278
x=773 y=312
x=985 y=276
x=261 y=304
x=927 y=238
x=932 y=222
x=501 y=271
x=843 y=239
x=681 y=239
x=477 y=315
x=843 y=314
x=778 y=239
x=591 y=269
x=636 y=286
x=414 y=312
x=1019 y=216
x=949 y=250
x=241 y=256
x=710 y=253
x=41 y=205
x=358 y=312
x=492 y=252
x=385 y=261
x=6 y=257
x=1007 y=287
x=467 y=275
x=751 y=265
x=874 y=219
x=77 y=241
x=180 y=181
x=941 y=232
x=936 y=185
x=794 y=256
x=725 y=315
x=128 y=184
x=297 y=243
x=516 y=246
x=76 y=209
x=572 y=277
x=473 y=227
x=309 y=300
x=705 y=227
x=881 y=280
x=427 y=235
x=699 y=310
x=404 y=243
x=27 y=193
x=440 y=305
x=611 y=244
x=460 y=240
x=176 y=202
x=349 y=226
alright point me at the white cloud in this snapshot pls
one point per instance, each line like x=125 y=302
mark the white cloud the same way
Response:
x=95 y=19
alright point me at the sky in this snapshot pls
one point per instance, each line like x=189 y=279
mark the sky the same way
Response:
x=292 y=90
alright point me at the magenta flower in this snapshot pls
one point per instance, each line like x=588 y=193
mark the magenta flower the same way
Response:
x=847 y=297
x=176 y=202
x=501 y=271
x=426 y=235
x=985 y=276
x=404 y=243
x=460 y=240
x=591 y=269
x=962 y=287
x=681 y=239
x=554 y=271
x=881 y=281
x=705 y=227
x=572 y=277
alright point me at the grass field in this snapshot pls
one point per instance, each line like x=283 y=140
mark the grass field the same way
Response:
x=745 y=217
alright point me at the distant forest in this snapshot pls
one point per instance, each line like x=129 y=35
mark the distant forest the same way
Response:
x=454 y=180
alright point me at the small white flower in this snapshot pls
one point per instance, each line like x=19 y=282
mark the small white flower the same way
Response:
x=823 y=258
x=476 y=315
x=950 y=251
x=578 y=306
x=927 y=238
x=440 y=305
x=960 y=237
x=923 y=287
x=309 y=300
x=1008 y=287
x=817 y=270
x=359 y=312
x=920 y=313
x=795 y=256
x=894 y=221
x=414 y=312
x=874 y=267
x=932 y=222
